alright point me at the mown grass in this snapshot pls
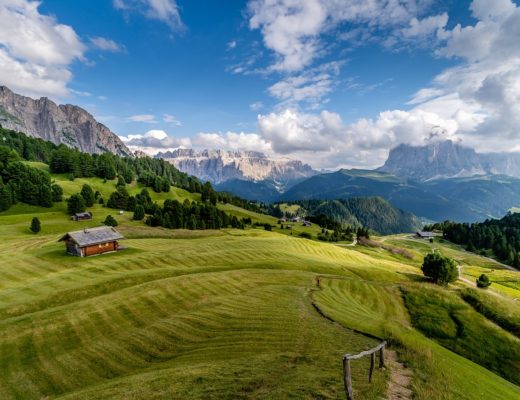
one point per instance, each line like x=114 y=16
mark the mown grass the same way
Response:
x=443 y=316
x=209 y=315
x=502 y=311
x=377 y=308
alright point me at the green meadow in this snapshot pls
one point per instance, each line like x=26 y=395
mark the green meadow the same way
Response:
x=233 y=314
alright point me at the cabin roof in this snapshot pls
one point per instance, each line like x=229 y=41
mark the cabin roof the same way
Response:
x=91 y=236
x=425 y=234
x=83 y=214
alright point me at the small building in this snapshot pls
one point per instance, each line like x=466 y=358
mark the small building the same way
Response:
x=425 y=235
x=307 y=223
x=92 y=241
x=83 y=216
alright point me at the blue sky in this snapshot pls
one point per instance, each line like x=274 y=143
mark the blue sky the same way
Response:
x=327 y=81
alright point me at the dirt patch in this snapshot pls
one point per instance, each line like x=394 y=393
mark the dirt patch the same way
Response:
x=400 y=378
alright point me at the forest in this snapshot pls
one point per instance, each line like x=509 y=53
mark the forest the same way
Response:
x=494 y=237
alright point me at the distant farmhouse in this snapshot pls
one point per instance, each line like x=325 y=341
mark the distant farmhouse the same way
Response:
x=84 y=216
x=92 y=241
x=425 y=235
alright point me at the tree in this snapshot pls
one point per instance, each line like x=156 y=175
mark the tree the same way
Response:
x=483 y=281
x=110 y=221
x=35 y=225
x=88 y=195
x=57 y=193
x=76 y=204
x=139 y=212
x=442 y=270
x=268 y=227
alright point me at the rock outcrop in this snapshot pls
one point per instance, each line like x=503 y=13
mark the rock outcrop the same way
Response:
x=220 y=166
x=67 y=124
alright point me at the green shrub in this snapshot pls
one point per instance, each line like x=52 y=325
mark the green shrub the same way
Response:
x=305 y=235
x=110 y=221
x=483 y=281
x=35 y=225
x=442 y=270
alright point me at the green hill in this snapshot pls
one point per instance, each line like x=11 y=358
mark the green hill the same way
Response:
x=372 y=212
x=458 y=199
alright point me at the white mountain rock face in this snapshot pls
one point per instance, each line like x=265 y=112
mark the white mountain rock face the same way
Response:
x=218 y=166
x=67 y=124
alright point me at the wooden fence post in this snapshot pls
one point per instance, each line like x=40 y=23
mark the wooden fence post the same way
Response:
x=382 y=357
x=347 y=379
x=372 y=362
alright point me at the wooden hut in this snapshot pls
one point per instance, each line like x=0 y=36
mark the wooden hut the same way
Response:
x=92 y=241
x=83 y=216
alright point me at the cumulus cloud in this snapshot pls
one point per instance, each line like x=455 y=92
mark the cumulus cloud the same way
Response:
x=35 y=50
x=166 y=11
x=154 y=141
x=105 y=44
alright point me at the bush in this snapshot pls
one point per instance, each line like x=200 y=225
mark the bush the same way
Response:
x=88 y=195
x=268 y=227
x=35 y=225
x=483 y=281
x=305 y=235
x=110 y=221
x=57 y=193
x=442 y=270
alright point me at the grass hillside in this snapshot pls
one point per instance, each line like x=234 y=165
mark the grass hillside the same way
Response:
x=231 y=314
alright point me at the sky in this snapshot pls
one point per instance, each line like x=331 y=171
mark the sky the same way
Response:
x=334 y=83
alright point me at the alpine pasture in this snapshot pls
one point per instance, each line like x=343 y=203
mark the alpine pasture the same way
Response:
x=229 y=314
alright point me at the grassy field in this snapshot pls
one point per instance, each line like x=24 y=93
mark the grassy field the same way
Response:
x=219 y=314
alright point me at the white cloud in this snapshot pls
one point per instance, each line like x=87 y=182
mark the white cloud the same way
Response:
x=231 y=141
x=104 y=44
x=293 y=29
x=166 y=11
x=154 y=141
x=172 y=120
x=310 y=87
x=35 y=50
x=146 y=118
x=256 y=106
x=231 y=45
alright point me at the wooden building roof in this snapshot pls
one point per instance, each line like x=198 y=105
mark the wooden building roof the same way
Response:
x=92 y=236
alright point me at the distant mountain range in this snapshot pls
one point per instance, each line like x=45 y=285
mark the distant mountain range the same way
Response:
x=244 y=172
x=67 y=124
x=438 y=181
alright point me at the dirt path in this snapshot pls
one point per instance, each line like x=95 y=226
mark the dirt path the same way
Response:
x=400 y=378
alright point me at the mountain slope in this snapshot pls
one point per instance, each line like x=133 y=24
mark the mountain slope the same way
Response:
x=219 y=166
x=459 y=199
x=372 y=212
x=67 y=124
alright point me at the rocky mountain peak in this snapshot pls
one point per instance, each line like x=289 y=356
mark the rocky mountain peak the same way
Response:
x=67 y=124
x=218 y=166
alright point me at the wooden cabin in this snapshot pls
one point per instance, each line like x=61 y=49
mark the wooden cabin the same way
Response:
x=92 y=241
x=84 y=216
x=425 y=235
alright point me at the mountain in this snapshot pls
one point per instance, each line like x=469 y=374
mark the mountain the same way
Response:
x=447 y=159
x=459 y=199
x=373 y=212
x=219 y=166
x=67 y=124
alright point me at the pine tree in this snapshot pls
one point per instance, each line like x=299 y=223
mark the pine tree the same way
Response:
x=76 y=204
x=139 y=212
x=57 y=193
x=88 y=195
x=110 y=221
x=35 y=225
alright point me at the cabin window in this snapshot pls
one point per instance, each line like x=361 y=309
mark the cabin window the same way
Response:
x=101 y=245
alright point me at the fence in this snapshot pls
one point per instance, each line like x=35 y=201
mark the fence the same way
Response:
x=347 y=375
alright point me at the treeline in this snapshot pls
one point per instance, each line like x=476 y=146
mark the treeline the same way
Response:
x=22 y=183
x=156 y=174
x=499 y=238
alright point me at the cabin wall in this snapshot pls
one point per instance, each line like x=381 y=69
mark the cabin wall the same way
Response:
x=99 y=248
